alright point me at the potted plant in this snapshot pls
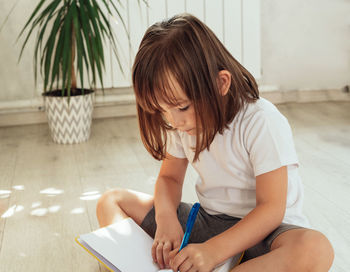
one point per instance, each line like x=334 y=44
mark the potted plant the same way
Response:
x=69 y=47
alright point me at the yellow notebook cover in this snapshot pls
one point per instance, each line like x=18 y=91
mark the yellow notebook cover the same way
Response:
x=77 y=239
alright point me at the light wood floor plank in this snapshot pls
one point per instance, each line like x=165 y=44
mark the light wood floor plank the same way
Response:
x=8 y=157
x=322 y=133
x=54 y=188
x=39 y=236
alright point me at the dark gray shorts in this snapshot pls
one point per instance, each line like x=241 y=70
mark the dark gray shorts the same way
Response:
x=207 y=226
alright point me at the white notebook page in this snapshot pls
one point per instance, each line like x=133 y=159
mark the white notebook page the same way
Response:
x=125 y=245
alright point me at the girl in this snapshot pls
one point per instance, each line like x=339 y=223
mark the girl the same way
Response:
x=197 y=104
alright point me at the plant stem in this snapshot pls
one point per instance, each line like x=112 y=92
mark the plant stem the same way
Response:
x=73 y=76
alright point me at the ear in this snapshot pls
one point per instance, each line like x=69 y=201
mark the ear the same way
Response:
x=224 y=81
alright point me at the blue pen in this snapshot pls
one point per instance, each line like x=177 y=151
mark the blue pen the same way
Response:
x=189 y=225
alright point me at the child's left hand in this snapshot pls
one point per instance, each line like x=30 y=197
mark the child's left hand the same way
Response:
x=194 y=257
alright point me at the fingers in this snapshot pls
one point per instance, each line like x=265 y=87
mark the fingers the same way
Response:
x=186 y=266
x=166 y=250
x=177 y=245
x=173 y=253
x=178 y=260
x=160 y=253
x=193 y=269
x=154 y=256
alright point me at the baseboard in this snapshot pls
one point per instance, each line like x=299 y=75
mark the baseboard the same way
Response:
x=121 y=102
x=305 y=96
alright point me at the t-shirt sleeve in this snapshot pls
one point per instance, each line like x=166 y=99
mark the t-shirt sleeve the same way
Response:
x=269 y=142
x=174 y=145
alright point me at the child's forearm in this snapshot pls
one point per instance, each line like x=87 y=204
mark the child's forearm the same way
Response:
x=167 y=197
x=253 y=228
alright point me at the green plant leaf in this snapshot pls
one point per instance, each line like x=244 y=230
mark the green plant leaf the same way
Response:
x=85 y=53
x=78 y=27
x=79 y=44
x=66 y=61
x=49 y=47
x=48 y=10
x=96 y=42
x=57 y=58
x=111 y=35
x=97 y=37
x=88 y=33
x=117 y=11
x=39 y=40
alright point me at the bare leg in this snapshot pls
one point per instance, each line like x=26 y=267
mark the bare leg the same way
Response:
x=294 y=250
x=118 y=204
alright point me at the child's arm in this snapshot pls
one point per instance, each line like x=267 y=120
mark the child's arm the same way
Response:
x=167 y=197
x=168 y=189
x=271 y=195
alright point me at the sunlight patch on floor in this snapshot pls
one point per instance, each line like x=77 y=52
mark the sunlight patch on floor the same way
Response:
x=5 y=193
x=39 y=212
x=11 y=211
x=77 y=211
x=36 y=204
x=51 y=191
x=90 y=195
x=18 y=187
x=44 y=211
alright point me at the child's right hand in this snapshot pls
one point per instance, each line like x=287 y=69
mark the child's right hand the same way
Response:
x=168 y=236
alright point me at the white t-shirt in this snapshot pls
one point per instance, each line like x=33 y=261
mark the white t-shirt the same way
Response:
x=258 y=140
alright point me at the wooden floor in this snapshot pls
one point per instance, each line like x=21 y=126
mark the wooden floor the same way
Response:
x=48 y=192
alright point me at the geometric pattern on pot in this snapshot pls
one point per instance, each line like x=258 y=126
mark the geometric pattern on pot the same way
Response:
x=69 y=123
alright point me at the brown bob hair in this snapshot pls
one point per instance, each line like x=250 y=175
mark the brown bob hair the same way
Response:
x=185 y=49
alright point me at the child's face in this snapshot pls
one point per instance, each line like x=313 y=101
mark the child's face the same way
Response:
x=181 y=116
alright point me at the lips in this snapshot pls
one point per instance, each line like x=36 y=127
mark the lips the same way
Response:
x=189 y=130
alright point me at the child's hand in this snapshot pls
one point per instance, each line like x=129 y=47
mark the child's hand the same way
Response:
x=168 y=236
x=194 y=257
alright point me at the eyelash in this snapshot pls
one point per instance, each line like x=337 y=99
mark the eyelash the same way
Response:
x=184 y=109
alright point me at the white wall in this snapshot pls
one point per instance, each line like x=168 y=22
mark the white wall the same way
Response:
x=15 y=84
x=235 y=22
x=305 y=44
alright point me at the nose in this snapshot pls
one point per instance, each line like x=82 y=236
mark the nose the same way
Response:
x=176 y=121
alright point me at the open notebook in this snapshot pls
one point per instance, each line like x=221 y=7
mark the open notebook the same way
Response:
x=125 y=247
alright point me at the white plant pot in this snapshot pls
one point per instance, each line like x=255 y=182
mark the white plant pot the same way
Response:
x=69 y=122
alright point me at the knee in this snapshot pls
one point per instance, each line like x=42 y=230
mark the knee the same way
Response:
x=314 y=251
x=110 y=197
